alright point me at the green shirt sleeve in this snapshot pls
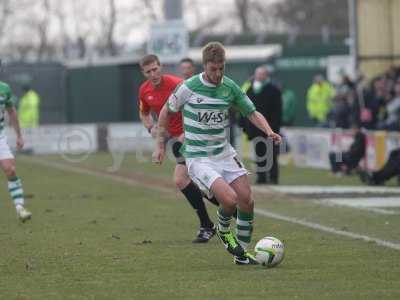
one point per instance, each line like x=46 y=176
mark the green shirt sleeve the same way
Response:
x=178 y=98
x=5 y=90
x=241 y=102
x=11 y=101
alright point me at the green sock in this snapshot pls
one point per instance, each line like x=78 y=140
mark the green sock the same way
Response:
x=16 y=191
x=224 y=220
x=244 y=227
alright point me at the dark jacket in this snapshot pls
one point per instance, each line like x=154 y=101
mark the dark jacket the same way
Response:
x=269 y=103
x=357 y=149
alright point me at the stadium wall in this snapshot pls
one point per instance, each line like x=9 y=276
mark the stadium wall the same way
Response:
x=48 y=79
x=308 y=147
x=378 y=35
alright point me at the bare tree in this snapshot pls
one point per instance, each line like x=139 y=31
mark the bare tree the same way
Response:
x=149 y=6
x=108 y=23
x=82 y=29
x=65 y=40
x=42 y=26
x=5 y=12
x=309 y=16
x=242 y=8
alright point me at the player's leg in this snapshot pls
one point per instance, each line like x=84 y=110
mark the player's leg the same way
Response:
x=194 y=196
x=228 y=201
x=15 y=188
x=209 y=180
x=245 y=215
x=212 y=200
x=245 y=218
x=236 y=175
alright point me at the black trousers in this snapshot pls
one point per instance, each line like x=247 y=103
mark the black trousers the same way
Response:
x=267 y=162
x=344 y=159
x=390 y=169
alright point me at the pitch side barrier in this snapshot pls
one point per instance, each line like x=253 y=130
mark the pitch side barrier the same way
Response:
x=309 y=147
x=303 y=147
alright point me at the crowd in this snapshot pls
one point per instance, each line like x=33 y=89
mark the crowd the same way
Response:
x=373 y=105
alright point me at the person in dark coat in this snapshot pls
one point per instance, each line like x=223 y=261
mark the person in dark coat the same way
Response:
x=267 y=98
x=347 y=161
x=388 y=171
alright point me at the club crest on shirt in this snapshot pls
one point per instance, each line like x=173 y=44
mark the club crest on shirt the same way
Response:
x=150 y=98
x=206 y=178
x=199 y=100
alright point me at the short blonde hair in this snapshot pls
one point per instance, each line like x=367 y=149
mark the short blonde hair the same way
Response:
x=213 y=52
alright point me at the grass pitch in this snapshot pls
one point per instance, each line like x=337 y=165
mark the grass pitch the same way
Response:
x=102 y=235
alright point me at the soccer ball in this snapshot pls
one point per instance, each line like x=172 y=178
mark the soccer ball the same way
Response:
x=269 y=251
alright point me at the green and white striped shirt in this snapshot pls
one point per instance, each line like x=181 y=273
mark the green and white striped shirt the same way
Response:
x=5 y=102
x=205 y=110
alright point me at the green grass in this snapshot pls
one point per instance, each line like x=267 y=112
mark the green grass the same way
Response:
x=95 y=238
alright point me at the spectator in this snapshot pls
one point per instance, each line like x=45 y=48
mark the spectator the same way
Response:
x=388 y=171
x=288 y=106
x=345 y=162
x=339 y=116
x=392 y=118
x=187 y=67
x=267 y=99
x=374 y=103
x=319 y=100
x=28 y=110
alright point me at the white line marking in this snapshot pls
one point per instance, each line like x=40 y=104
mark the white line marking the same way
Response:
x=261 y=212
x=299 y=190
x=328 y=229
x=370 y=209
x=366 y=202
x=372 y=204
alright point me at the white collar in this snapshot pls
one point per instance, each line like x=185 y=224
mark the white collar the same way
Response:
x=206 y=83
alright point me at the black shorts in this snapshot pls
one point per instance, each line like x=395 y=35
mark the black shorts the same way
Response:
x=176 y=146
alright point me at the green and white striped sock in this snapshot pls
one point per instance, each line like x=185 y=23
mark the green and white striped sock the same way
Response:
x=224 y=220
x=16 y=191
x=244 y=228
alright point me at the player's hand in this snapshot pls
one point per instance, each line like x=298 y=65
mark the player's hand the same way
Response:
x=181 y=138
x=158 y=155
x=276 y=138
x=20 y=143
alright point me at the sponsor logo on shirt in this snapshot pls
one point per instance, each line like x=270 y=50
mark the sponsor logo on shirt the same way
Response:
x=225 y=93
x=212 y=117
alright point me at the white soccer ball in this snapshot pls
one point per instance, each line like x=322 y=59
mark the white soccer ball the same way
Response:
x=269 y=251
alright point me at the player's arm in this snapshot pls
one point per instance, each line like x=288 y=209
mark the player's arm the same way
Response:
x=146 y=117
x=258 y=120
x=163 y=121
x=12 y=113
x=174 y=104
x=147 y=120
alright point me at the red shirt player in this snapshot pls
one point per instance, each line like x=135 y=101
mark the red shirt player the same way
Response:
x=153 y=94
x=153 y=97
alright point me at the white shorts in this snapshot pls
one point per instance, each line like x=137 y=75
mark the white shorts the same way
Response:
x=5 y=152
x=204 y=171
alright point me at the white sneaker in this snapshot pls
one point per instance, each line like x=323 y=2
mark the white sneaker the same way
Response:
x=23 y=214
